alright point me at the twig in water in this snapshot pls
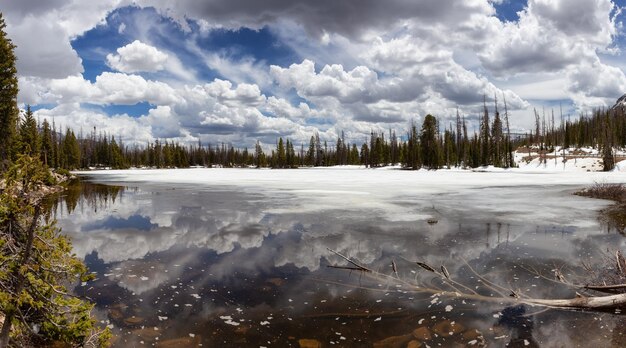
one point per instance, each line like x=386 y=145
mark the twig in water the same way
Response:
x=357 y=265
x=445 y=272
x=426 y=267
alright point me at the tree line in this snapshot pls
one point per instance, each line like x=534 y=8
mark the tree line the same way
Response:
x=602 y=129
x=426 y=147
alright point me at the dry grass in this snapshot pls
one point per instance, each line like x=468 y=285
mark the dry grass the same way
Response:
x=603 y=190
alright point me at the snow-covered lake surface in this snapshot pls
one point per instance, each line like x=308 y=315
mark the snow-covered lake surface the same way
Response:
x=238 y=257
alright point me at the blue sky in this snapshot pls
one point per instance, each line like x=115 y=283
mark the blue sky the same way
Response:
x=244 y=70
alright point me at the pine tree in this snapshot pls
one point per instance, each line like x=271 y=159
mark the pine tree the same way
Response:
x=608 y=160
x=46 y=144
x=280 y=151
x=497 y=150
x=8 y=98
x=485 y=137
x=510 y=161
x=310 y=155
x=412 y=153
x=71 y=151
x=318 y=151
x=365 y=155
x=429 y=143
x=36 y=266
x=29 y=135
x=466 y=144
x=259 y=157
x=459 y=139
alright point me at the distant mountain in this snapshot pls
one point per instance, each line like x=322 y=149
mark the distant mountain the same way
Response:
x=620 y=103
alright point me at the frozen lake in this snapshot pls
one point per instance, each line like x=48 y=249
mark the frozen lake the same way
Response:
x=238 y=257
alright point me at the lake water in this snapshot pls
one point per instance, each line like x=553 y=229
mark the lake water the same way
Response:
x=221 y=264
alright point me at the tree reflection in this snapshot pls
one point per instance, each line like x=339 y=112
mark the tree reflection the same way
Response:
x=81 y=194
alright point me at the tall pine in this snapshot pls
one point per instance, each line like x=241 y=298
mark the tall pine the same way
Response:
x=29 y=134
x=8 y=98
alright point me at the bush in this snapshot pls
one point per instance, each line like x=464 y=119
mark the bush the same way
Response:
x=62 y=171
x=603 y=190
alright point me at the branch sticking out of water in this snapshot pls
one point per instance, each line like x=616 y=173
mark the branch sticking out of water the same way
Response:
x=356 y=264
x=503 y=295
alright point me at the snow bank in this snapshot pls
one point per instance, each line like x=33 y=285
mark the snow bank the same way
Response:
x=358 y=179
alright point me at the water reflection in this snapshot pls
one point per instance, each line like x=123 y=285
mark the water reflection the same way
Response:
x=191 y=265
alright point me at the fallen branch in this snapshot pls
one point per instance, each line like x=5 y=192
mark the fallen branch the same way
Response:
x=356 y=264
x=505 y=295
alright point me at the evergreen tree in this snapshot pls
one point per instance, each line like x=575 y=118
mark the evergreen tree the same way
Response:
x=354 y=155
x=497 y=140
x=365 y=155
x=29 y=135
x=319 y=155
x=310 y=155
x=466 y=144
x=510 y=160
x=47 y=156
x=8 y=98
x=280 y=151
x=485 y=137
x=412 y=153
x=459 y=139
x=429 y=143
x=71 y=151
x=259 y=157
x=36 y=266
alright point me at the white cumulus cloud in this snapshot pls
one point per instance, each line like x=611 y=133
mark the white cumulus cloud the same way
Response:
x=137 y=57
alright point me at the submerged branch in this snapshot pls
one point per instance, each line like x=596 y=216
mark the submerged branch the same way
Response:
x=504 y=295
x=356 y=264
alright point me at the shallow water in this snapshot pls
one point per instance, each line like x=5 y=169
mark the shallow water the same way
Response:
x=185 y=264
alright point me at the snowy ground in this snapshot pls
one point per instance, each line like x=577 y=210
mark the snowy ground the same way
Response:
x=355 y=179
x=570 y=159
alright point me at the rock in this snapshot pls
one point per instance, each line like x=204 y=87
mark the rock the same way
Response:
x=147 y=334
x=471 y=334
x=474 y=338
x=276 y=281
x=180 y=342
x=309 y=343
x=414 y=344
x=447 y=328
x=422 y=334
x=242 y=330
x=133 y=320
x=394 y=342
x=115 y=314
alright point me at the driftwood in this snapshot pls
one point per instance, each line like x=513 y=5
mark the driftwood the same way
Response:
x=505 y=295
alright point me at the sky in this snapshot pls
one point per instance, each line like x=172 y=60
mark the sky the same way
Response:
x=239 y=71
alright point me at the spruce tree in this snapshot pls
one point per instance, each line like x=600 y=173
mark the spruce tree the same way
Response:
x=485 y=137
x=429 y=143
x=310 y=155
x=8 y=98
x=46 y=144
x=29 y=135
x=37 y=267
x=497 y=139
x=280 y=151
x=71 y=151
